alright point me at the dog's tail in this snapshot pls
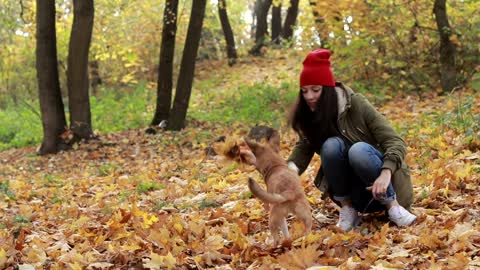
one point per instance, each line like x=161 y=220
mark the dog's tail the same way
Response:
x=263 y=195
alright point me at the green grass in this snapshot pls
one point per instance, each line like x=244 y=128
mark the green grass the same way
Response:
x=145 y=187
x=112 y=111
x=21 y=126
x=5 y=190
x=116 y=110
x=256 y=104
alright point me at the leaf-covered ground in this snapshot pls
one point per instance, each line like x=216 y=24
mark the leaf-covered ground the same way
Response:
x=132 y=201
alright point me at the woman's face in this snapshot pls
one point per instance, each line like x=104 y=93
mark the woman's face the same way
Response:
x=311 y=94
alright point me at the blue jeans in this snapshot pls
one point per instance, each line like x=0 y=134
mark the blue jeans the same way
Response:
x=349 y=170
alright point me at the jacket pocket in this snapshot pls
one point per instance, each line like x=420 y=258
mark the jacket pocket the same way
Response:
x=360 y=130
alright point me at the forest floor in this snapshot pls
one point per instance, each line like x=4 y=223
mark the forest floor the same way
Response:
x=129 y=200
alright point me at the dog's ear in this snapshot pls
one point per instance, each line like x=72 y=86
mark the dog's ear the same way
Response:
x=252 y=144
x=274 y=140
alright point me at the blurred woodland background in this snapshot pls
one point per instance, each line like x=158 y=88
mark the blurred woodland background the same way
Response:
x=112 y=65
x=144 y=92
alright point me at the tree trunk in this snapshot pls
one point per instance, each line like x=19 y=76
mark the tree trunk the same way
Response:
x=178 y=114
x=95 y=79
x=319 y=24
x=51 y=104
x=165 y=66
x=290 y=20
x=276 y=23
x=77 y=72
x=255 y=9
x=227 y=31
x=262 y=26
x=447 y=48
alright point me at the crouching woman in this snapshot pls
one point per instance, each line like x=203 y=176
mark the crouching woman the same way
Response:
x=363 y=167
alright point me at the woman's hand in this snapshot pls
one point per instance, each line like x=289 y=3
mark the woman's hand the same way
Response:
x=379 y=187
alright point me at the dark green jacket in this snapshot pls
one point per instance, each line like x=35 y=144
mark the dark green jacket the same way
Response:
x=359 y=121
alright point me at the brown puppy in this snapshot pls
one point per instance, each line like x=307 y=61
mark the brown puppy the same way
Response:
x=284 y=193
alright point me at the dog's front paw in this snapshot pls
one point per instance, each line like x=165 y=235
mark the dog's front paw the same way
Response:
x=248 y=157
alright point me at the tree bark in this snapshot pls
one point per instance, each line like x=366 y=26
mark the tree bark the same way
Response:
x=185 y=78
x=319 y=24
x=447 y=48
x=262 y=26
x=51 y=104
x=95 y=79
x=276 y=23
x=227 y=31
x=77 y=72
x=165 y=66
x=255 y=9
x=290 y=20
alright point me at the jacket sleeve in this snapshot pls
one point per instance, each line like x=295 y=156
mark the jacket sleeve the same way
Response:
x=393 y=145
x=301 y=154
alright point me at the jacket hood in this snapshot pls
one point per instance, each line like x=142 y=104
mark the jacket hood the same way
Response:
x=344 y=96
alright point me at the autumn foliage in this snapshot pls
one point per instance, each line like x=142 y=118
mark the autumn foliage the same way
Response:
x=167 y=201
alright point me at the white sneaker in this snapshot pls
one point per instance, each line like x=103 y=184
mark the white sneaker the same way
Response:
x=401 y=216
x=348 y=218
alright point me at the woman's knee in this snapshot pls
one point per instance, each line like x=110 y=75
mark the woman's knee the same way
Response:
x=362 y=155
x=332 y=148
x=358 y=152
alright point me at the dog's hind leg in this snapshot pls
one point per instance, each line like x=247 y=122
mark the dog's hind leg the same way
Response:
x=284 y=228
x=277 y=223
x=287 y=242
x=305 y=216
x=274 y=226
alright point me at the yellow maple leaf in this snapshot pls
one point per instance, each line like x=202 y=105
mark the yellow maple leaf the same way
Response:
x=148 y=220
x=36 y=256
x=131 y=247
x=159 y=262
x=300 y=258
x=160 y=237
x=214 y=242
x=220 y=185
x=178 y=227
x=312 y=238
x=3 y=257
x=75 y=266
x=464 y=171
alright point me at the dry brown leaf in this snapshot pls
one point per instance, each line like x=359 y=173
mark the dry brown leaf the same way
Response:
x=300 y=258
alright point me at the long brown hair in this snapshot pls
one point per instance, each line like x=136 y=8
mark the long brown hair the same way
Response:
x=319 y=125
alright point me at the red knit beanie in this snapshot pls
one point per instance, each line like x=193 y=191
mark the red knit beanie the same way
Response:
x=316 y=69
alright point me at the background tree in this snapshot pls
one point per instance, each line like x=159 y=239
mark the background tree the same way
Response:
x=77 y=72
x=290 y=20
x=165 y=66
x=276 y=21
x=227 y=31
x=51 y=104
x=261 y=31
x=176 y=120
x=448 y=72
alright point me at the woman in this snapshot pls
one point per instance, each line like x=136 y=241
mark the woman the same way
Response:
x=363 y=168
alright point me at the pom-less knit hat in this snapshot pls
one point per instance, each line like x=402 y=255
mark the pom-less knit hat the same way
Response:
x=316 y=69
